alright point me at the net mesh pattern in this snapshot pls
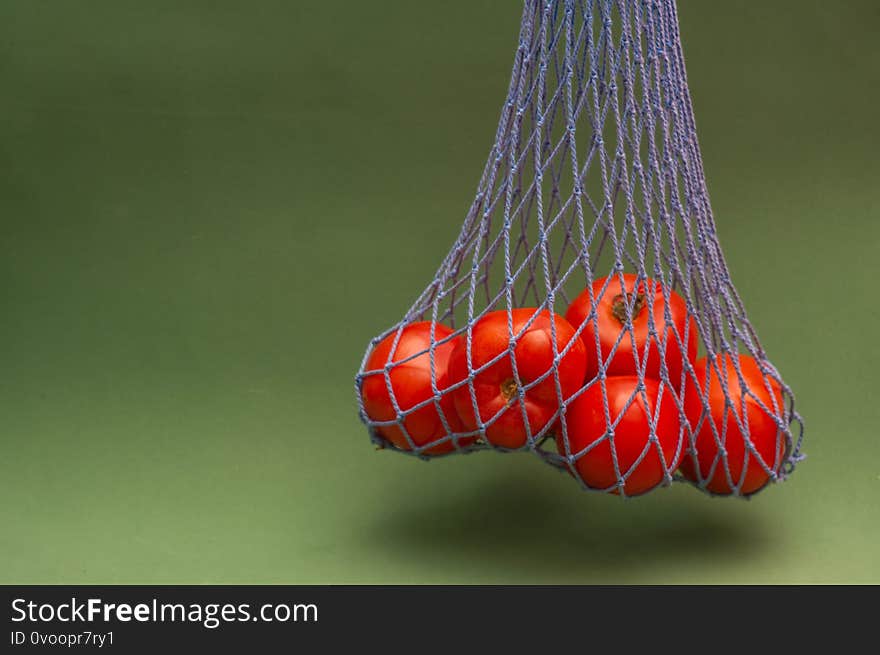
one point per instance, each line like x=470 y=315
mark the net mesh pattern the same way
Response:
x=595 y=173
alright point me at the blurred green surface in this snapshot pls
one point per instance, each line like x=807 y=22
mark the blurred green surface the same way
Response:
x=208 y=208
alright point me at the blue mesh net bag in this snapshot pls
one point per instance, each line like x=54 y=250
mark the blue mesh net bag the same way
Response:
x=585 y=313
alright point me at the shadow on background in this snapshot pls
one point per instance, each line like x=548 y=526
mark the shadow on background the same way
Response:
x=515 y=529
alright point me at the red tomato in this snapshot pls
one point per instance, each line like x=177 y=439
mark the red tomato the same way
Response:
x=411 y=383
x=611 y=314
x=585 y=424
x=763 y=432
x=496 y=388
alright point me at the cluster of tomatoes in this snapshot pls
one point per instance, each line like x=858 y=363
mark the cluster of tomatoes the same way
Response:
x=479 y=386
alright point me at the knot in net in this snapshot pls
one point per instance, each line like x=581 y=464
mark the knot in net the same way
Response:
x=585 y=313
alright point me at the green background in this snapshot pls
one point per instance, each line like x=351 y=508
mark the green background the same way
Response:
x=209 y=208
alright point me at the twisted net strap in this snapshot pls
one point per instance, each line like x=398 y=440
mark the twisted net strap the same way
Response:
x=595 y=170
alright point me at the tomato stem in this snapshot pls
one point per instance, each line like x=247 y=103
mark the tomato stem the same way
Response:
x=619 y=306
x=509 y=389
